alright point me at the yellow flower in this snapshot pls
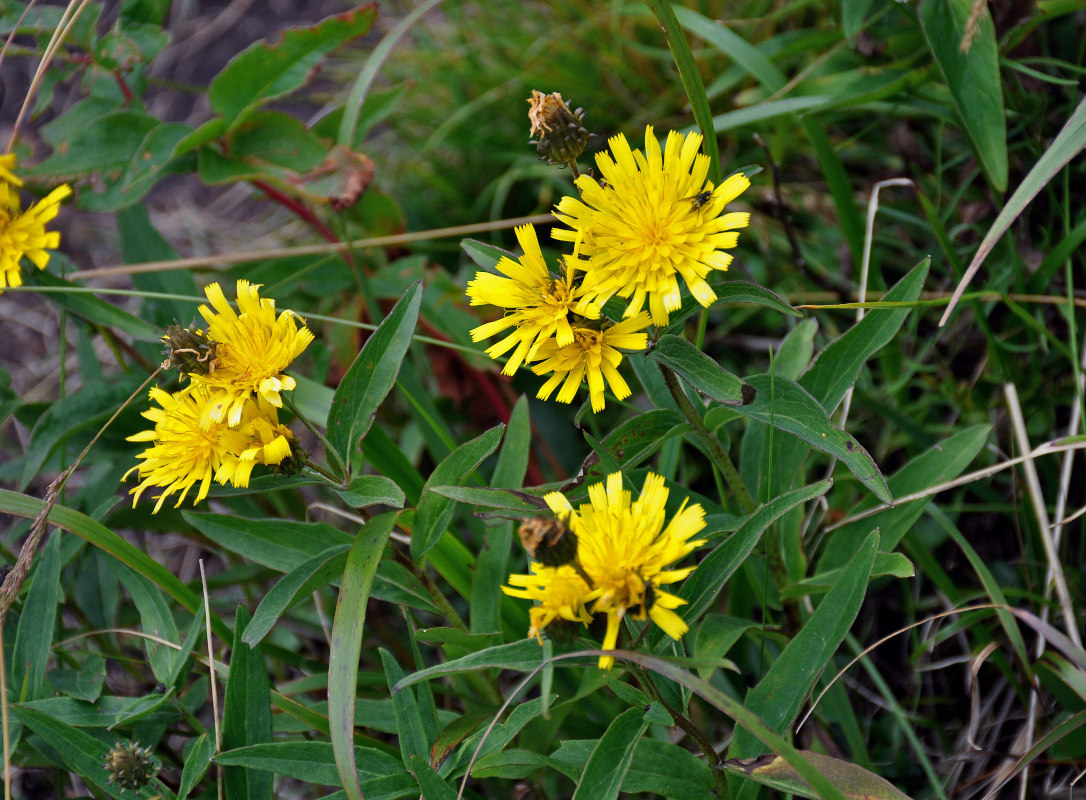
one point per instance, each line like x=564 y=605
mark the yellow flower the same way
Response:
x=593 y=355
x=654 y=219
x=624 y=548
x=252 y=350
x=22 y=233
x=537 y=303
x=560 y=593
x=182 y=452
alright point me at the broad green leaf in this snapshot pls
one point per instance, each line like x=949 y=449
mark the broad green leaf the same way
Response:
x=1069 y=142
x=246 y=714
x=34 y=636
x=268 y=70
x=434 y=511
x=779 y=695
x=279 y=544
x=79 y=752
x=296 y=585
x=146 y=165
x=498 y=737
x=610 y=760
x=973 y=79
x=716 y=634
x=701 y=588
x=431 y=784
x=511 y=764
x=790 y=408
x=853 y=781
x=766 y=110
x=364 y=491
x=372 y=375
x=197 y=760
x=485 y=255
x=107 y=142
x=838 y=366
x=492 y=565
x=853 y=13
x=345 y=646
x=522 y=656
x=84 y=683
x=76 y=300
x=794 y=356
x=106 y=711
x=941 y=462
x=633 y=441
x=700 y=371
x=313 y=762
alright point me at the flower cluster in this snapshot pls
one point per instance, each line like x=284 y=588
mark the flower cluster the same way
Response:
x=22 y=233
x=225 y=421
x=619 y=563
x=653 y=218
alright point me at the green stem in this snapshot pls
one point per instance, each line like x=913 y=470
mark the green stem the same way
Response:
x=435 y=593
x=333 y=455
x=324 y=474
x=719 y=455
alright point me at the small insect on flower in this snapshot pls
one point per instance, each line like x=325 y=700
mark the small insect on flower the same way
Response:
x=701 y=198
x=548 y=541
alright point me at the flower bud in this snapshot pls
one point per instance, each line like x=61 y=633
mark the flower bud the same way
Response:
x=562 y=136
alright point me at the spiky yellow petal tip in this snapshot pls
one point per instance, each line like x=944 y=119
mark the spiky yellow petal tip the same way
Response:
x=23 y=233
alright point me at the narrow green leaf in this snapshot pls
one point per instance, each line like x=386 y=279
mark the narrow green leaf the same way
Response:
x=700 y=371
x=346 y=644
x=405 y=705
x=492 y=565
x=1069 y=142
x=500 y=735
x=297 y=584
x=779 y=695
x=507 y=499
x=34 y=636
x=431 y=784
x=279 y=544
x=854 y=782
x=265 y=71
x=973 y=79
x=701 y=588
x=155 y=619
x=767 y=110
x=610 y=761
x=737 y=711
x=838 y=365
x=522 y=656
x=90 y=308
x=246 y=714
x=372 y=375
x=896 y=565
x=793 y=410
x=197 y=760
x=434 y=511
x=312 y=762
x=716 y=635
x=485 y=255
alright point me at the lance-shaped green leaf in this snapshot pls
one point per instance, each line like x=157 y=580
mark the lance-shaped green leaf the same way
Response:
x=506 y=499
x=34 y=636
x=838 y=365
x=346 y=644
x=972 y=74
x=83 y=304
x=485 y=255
x=610 y=761
x=853 y=781
x=435 y=511
x=522 y=656
x=246 y=715
x=791 y=408
x=280 y=544
x=779 y=695
x=701 y=372
x=196 y=763
x=736 y=291
x=705 y=582
x=372 y=375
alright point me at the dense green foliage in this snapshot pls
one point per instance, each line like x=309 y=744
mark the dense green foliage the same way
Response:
x=877 y=483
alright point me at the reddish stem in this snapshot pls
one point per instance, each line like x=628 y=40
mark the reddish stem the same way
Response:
x=303 y=212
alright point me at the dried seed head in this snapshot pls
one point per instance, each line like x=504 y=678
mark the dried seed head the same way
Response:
x=130 y=766
x=562 y=135
x=189 y=350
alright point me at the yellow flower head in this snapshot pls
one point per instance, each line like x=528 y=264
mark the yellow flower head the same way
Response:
x=252 y=350
x=624 y=548
x=560 y=593
x=655 y=219
x=537 y=303
x=593 y=355
x=183 y=452
x=22 y=233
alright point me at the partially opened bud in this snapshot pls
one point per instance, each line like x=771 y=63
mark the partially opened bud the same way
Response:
x=562 y=136
x=189 y=349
